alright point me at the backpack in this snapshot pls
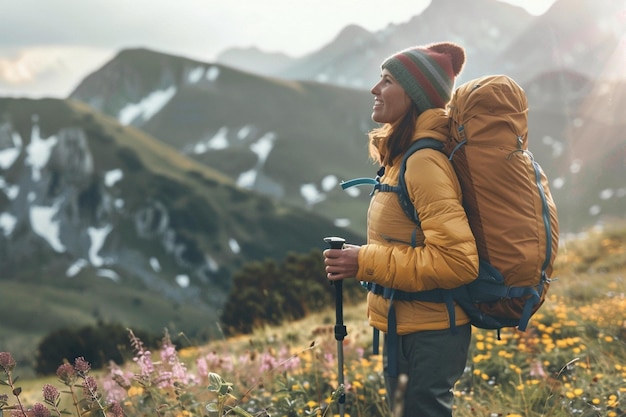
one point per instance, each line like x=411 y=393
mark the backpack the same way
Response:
x=507 y=200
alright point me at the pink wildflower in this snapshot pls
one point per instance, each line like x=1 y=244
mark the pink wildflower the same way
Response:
x=202 y=367
x=116 y=383
x=19 y=412
x=66 y=374
x=536 y=369
x=168 y=353
x=81 y=366
x=292 y=363
x=360 y=351
x=268 y=362
x=90 y=389
x=330 y=358
x=144 y=360
x=50 y=394
x=143 y=357
x=116 y=410
x=40 y=410
x=7 y=362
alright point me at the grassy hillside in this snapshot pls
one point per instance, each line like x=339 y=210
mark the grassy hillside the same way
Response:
x=571 y=361
x=165 y=209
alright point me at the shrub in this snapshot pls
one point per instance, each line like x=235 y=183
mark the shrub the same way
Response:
x=97 y=344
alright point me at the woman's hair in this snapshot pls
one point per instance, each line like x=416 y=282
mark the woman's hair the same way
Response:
x=391 y=140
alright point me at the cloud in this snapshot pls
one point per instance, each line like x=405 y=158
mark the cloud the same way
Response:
x=47 y=46
x=48 y=70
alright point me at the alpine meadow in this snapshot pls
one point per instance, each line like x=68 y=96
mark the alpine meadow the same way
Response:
x=162 y=227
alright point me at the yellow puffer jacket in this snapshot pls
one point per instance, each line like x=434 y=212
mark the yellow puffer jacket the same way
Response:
x=445 y=255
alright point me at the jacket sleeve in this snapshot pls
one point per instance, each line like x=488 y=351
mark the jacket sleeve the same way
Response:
x=448 y=257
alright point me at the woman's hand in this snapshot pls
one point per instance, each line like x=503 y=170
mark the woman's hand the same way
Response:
x=342 y=263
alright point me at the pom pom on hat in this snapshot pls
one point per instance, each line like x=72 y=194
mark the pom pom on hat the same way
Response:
x=427 y=73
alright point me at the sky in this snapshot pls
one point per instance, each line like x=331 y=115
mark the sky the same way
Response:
x=48 y=46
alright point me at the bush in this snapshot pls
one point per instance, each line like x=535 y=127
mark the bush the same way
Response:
x=268 y=293
x=97 y=344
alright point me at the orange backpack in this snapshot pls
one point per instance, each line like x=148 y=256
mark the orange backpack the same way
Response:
x=505 y=192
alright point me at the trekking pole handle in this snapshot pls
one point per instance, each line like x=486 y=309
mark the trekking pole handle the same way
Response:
x=340 y=330
x=335 y=242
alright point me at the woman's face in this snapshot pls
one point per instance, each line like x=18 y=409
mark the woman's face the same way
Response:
x=391 y=103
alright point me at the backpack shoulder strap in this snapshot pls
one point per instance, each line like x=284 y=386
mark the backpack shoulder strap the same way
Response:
x=403 y=194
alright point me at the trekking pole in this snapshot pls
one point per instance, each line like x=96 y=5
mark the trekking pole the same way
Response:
x=340 y=329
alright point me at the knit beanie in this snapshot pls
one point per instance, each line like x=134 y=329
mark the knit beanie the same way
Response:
x=427 y=72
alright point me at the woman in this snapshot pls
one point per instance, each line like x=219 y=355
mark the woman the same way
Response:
x=409 y=102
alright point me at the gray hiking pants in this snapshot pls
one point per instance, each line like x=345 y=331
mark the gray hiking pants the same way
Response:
x=433 y=361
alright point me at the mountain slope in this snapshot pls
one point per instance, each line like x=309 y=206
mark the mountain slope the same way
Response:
x=483 y=27
x=289 y=140
x=84 y=200
x=585 y=36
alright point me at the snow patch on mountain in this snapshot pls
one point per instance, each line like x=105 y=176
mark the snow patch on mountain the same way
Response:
x=150 y=105
x=38 y=151
x=195 y=75
x=44 y=223
x=75 y=268
x=98 y=237
x=182 y=280
x=11 y=142
x=212 y=73
x=234 y=245
x=112 y=177
x=10 y=190
x=7 y=223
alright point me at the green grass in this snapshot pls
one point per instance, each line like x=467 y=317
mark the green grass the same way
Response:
x=570 y=362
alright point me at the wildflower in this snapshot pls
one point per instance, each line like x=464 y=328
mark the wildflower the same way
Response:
x=144 y=360
x=90 y=389
x=134 y=391
x=202 y=366
x=50 y=394
x=82 y=366
x=536 y=369
x=7 y=362
x=268 y=362
x=66 y=374
x=19 y=412
x=143 y=357
x=40 y=410
x=116 y=410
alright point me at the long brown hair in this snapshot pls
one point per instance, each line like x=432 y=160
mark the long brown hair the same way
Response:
x=391 y=140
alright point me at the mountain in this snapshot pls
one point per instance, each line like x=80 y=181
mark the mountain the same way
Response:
x=100 y=221
x=584 y=36
x=577 y=134
x=484 y=27
x=573 y=35
x=286 y=139
x=255 y=60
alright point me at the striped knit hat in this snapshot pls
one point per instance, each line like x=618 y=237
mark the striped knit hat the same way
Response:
x=427 y=72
